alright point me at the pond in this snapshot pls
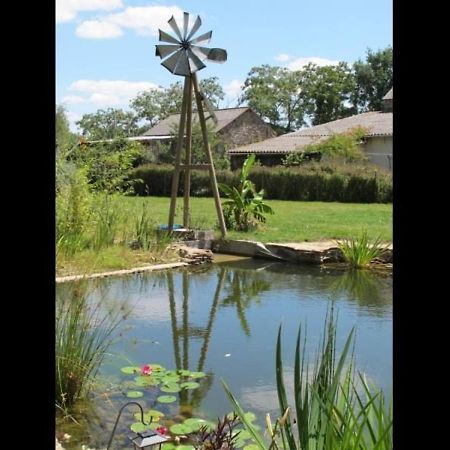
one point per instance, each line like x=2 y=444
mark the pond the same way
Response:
x=223 y=319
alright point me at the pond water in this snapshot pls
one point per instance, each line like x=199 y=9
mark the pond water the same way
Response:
x=223 y=319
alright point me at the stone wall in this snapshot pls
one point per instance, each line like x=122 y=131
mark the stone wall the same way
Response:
x=246 y=129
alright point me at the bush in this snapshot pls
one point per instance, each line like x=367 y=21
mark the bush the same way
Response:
x=329 y=182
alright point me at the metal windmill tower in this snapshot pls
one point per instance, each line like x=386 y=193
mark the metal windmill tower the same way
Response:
x=184 y=56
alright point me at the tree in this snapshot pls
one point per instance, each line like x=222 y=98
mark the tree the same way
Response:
x=373 y=79
x=156 y=104
x=326 y=92
x=274 y=93
x=109 y=124
x=64 y=137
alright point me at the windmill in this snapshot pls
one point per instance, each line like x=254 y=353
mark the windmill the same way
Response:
x=183 y=55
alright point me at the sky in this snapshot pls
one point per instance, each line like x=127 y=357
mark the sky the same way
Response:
x=105 y=49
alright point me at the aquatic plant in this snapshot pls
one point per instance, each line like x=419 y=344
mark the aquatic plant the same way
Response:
x=332 y=409
x=84 y=332
x=244 y=206
x=360 y=252
x=222 y=436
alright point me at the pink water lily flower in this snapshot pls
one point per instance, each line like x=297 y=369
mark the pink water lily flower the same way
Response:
x=147 y=370
x=162 y=430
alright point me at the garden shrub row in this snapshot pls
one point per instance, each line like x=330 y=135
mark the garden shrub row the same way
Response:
x=313 y=182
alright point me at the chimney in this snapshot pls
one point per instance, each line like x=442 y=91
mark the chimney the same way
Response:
x=387 y=101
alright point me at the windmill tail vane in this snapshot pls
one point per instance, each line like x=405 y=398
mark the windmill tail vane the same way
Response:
x=184 y=55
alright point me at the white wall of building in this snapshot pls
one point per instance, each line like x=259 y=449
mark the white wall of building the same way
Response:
x=379 y=150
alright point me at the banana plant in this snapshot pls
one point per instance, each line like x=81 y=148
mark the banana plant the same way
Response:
x=244 y=207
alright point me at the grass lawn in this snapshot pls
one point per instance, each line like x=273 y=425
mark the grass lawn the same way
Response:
x=293 y=221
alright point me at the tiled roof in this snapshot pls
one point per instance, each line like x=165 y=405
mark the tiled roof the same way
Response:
x=224 y=118
x=389 y=95
x=377 y=123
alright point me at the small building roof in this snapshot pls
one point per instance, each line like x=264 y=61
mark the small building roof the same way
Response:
x=377 y=123
x=224 y=118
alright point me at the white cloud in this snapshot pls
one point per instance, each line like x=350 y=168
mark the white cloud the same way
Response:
x=299 y=63
x=96 y=29
x=66 y=10
x=233 y=88
x=283 y=57
x=145 y=20
x=73 y=100
x=109 y=92
x=73 y=117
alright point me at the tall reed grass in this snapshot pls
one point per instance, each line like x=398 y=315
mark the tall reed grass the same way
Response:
x=84 y=332
x=330 y=410
x=359 y=252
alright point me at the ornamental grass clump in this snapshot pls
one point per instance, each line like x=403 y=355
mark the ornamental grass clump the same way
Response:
x=359 y=253
x=331 y=409
x=84 y=332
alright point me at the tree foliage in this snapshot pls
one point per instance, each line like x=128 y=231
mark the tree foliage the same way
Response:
x=64 y=137
x=274 y=93
x=111 y=123
x=373 y=79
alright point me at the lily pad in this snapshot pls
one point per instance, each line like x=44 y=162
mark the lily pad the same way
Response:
x=146 y=381
x=251 y=447
x=138 y=427
x=198 y=374
x=134 y=394
x=195 y=423
x=244 y=435
x=152 y=414
x=250 y=416
x=181 y=428
x=190 y=385
x=166 y=398
x=170 y=387
x=130 y=370
x=184 y=447
x=157 y=367
x=184 y=372
x=168 y=446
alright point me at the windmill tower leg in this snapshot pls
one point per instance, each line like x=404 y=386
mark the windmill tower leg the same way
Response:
x=212 y=172
x=187 y=170
x=176 y=172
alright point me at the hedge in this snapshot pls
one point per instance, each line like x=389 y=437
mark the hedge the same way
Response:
x=314 y=182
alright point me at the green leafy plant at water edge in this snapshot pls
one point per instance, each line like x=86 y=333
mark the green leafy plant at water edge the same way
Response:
x=144 y=230
x=245 y=207
x=360 y=252
x=84 y=332
x=106 y=220
x=332 y=409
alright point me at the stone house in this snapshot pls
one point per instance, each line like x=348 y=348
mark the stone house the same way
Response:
x=377 y=143
x=234 y=127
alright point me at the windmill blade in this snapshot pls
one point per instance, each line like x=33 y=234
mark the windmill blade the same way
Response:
x=195 y=63
x=182 y=66
x=171 y=62
x=163 y=50
x=185 y=24
x=173 y=24
x=203 y=39
x=201 y=52
x=195 y=27
x=164 y=37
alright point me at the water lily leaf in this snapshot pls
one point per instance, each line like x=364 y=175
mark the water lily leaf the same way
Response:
x=152 y=414
x=190 y=385
x=184 y=447
x=195 y=423
x=157 y=367
x=250 y=416
x=134 y=394
x=168 y=446
x=146 y=381
x=138 y=427
x=166 y=398
x=170 y=387
x=170 y=379
x=130 y=370
x=198 y=374
x=251 y=447
x=184 y=372
x=170 y=373
x=181 y=428
x=244 y=435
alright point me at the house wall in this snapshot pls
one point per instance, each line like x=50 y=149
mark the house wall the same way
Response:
x=379 y=150
x=246 y=129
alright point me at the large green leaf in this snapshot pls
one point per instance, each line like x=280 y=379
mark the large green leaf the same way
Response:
x=166 y=398
x=129 y=370
x=181 y=428
x=135 y=394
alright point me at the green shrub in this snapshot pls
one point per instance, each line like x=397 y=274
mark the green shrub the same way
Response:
x=325 y=181
x=360 y=252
